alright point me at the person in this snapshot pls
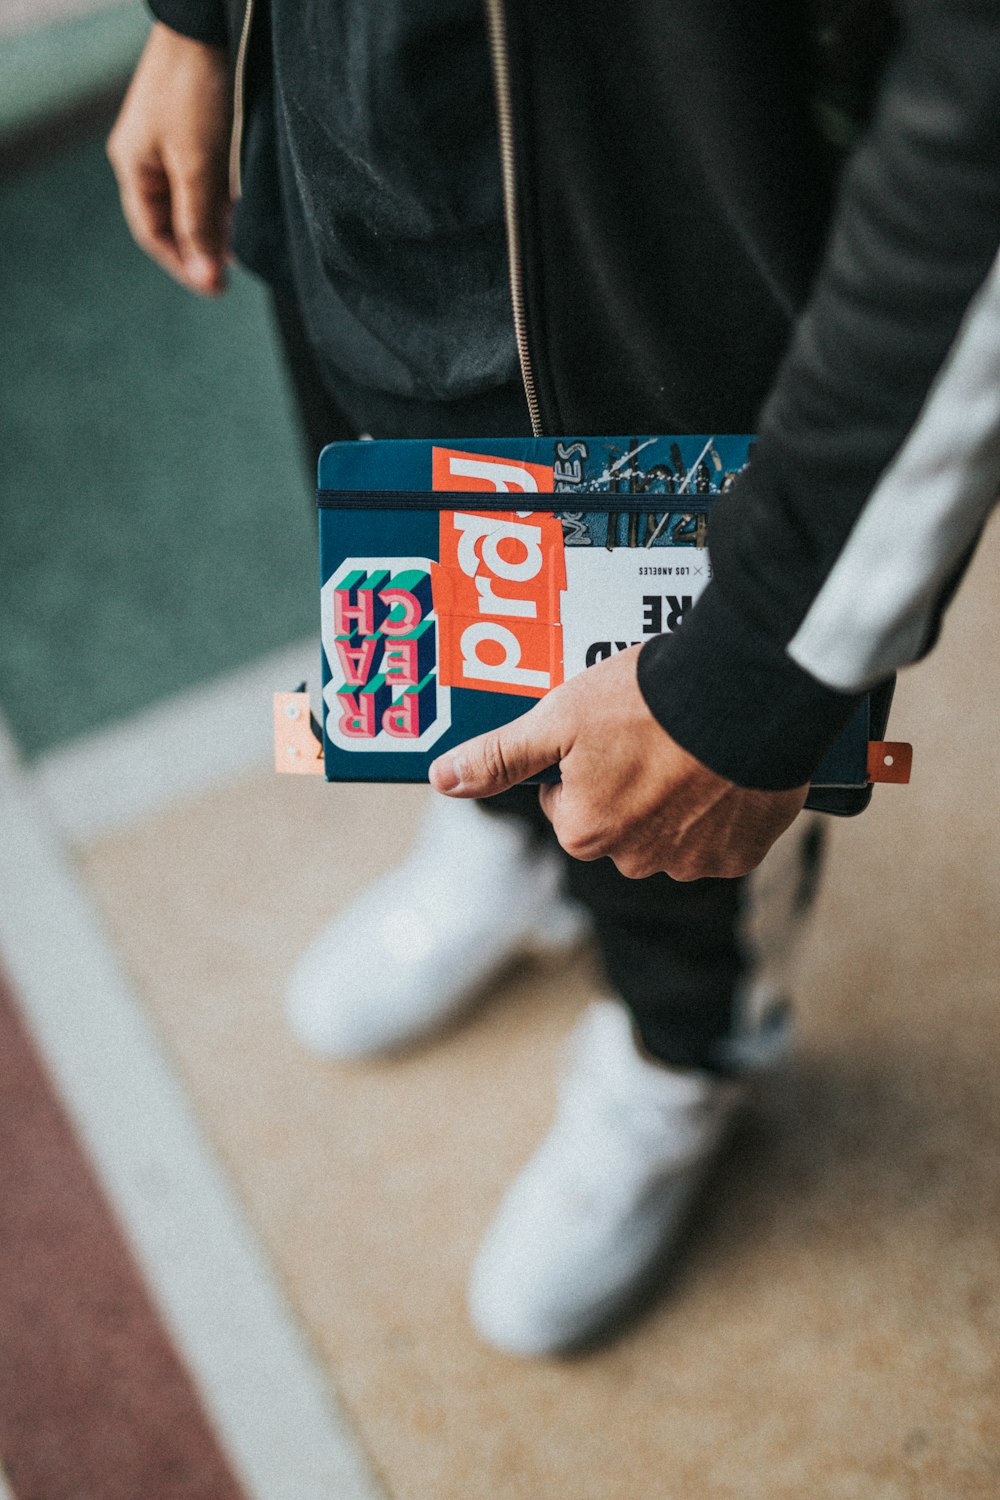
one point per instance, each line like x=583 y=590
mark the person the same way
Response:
x=701 y=216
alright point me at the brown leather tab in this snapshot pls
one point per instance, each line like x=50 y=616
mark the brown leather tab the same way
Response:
x=296 y=748
x=890 y=760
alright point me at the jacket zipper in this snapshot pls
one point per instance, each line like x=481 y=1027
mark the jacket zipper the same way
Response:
x=501 y=77
x=239 y=104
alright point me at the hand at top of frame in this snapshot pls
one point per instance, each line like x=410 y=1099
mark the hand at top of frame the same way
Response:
x=628 y=790
x=169 y=150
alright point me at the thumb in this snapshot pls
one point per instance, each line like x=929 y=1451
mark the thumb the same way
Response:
x=500 y=759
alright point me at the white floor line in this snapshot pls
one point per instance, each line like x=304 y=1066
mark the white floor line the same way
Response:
x=264 y=1391
x=176 y=749
x=6 y=1493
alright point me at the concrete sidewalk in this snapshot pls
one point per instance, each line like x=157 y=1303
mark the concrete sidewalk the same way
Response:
x=833 y=1328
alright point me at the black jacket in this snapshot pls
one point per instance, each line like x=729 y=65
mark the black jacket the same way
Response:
x=777 y=217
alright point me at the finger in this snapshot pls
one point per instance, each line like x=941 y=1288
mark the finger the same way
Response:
x=638 y=866
x=146 y=205
x=558 y=809
x=200 y=217
x=500 y=759
x=549 y=798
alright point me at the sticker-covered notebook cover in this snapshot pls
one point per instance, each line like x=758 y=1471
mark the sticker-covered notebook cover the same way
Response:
x=461 y=581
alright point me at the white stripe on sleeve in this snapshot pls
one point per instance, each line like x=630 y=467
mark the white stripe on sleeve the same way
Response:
x=873 y=612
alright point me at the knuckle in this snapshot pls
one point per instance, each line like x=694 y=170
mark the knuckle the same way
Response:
x=579 y=845
x=703 y=867
x=117 y=147
x=493 y=759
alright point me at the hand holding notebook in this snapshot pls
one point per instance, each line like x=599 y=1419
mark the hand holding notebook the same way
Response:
x=482 y=608
x=627 y=790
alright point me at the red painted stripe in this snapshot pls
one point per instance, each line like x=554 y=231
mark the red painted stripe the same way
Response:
x=94 y=1402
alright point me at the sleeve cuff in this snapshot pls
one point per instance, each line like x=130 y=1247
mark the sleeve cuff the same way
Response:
x=735 y=700
x=200 y=20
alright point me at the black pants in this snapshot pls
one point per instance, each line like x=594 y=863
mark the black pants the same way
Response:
x=676 y=953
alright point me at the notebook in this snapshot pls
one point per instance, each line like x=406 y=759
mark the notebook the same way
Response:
x=460 y=581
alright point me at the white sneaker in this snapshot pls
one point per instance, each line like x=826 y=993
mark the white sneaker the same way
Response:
x=417 y=946
x=600 y=1203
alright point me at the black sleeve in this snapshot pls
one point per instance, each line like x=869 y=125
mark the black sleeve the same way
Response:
x=879 y=452
x=201 y=20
